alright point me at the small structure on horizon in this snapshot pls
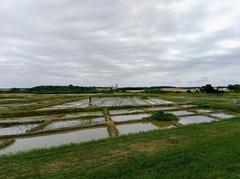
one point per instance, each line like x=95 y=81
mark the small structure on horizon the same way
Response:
x=115 y=87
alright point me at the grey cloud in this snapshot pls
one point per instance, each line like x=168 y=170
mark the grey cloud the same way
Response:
x=130 y=42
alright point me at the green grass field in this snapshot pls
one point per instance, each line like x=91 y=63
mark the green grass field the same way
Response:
x=210 y=150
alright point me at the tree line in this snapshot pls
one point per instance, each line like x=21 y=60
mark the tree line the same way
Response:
x=81 y=89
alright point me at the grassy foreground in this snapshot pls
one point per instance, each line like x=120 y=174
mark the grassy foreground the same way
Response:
x=196 y=151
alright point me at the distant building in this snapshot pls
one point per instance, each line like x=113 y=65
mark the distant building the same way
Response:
x=114 y=87
x=225 y=89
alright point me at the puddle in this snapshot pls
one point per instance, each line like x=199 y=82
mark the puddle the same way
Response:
x=195 y=119
x=203 y=110
x=135 y=128
x=125 y=111
x=16 y=129
x=74 y=123
x=122 y=118
x=181 y=113
x=47 y=141
x=222 y=115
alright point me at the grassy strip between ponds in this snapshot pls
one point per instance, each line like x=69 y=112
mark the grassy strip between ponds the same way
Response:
x=196 y=151
x=6 y=142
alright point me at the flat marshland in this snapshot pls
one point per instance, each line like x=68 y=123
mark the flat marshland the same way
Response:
x=127 y=145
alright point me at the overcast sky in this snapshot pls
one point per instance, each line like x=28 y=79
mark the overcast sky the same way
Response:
x=129 y=42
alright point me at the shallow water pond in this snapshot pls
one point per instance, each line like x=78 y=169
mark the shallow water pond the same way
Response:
x=125 y=102
x=195 y=119
x=161 y=108
x=125 y=111
x=16 y=129
x=122 y=118
x=135 y=128
x=24 y=119
x=82 y=114
x=159 y=101
x=46 y=141
x=140 y=101
x=181 y=113
x=76 y=104
x=74 y=123
x=222 y=115
x=203 y=110
x=110 y=101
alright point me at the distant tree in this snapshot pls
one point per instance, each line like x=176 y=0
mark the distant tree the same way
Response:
x=61 y=89
x=189 y=91
x=235 y=87
x=208 y=89
x=14 y=90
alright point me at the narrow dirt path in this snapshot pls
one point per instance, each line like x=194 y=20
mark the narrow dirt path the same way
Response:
x=111 y=127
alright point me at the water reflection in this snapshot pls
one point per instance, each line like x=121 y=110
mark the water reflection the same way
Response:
x=222 y=115
x=122 y=118
x=112 y=130
x=180 y=113
x=16 y=129
x=74 y=123
x=195 y=119
x=135 y=128
x=25 y=144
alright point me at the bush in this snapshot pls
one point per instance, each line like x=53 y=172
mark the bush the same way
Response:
x=235 y=87
x=162 y=116
x=208 y=89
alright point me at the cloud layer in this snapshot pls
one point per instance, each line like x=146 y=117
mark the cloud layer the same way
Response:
x=129 y=42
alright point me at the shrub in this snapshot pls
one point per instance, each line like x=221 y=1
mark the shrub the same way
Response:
x=208 y=89
x=162 y=116
x=235 y=87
